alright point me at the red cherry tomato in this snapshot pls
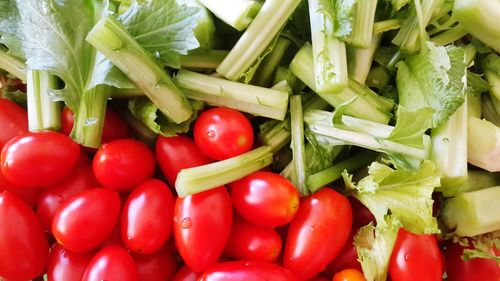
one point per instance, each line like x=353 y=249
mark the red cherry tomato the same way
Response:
x=458 y=269
x=13 y=121
x=30 y=196
x=37 y=159
x=146 y=222
x=223 y=133
x=247 y=270
x=415 y=257
x=79 y=179
x=159 y=266
x=319 y=278
x=248 y=241
x=202 y=223
x=86 y=219
x=24 y=248
x=177 y=153
x=361 y=215
x=123 y=164
x=111 y=263
x=347 y=258
x=66 y=265
x=317 y=233
x=350 y=274
x=114 y=126
x=186 y=274
x=265 y=198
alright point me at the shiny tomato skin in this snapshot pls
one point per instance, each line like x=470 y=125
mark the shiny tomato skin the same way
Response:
x=159 y=266
x=79 y=179
x=66 y=265
x=222 y=133
x=177 y=153
x=415 y=257
x=317 y=233
x=186 y=274
x=202 y=223
x=30 y=196
x=265 y=198
x=475 y=269
x=24 y=248
x=37 y=159
x=361 y=215
x=347 y=258
x=123 y=164
x=111 y=263
x=247 y=270
x=85 y=220
x=146 y=220
x=248 y=241
x=13 y=121
x=350 y=274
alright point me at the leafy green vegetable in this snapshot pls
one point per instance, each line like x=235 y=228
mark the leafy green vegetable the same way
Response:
x=11 y=34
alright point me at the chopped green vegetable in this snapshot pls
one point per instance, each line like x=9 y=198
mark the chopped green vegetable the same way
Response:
x=43 y=113
x=483 y=144
x=298 y=176
x=236 y=13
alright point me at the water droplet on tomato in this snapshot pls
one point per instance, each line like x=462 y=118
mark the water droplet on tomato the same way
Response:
x=186 y=223
x=64 y=254
x=211 y=134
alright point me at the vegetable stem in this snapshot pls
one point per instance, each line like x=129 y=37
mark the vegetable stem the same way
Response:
x=43 y=112
x=12 y=65
x=236 y=13
x=297 y=136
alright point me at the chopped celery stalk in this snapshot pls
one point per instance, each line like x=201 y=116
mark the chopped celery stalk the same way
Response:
x=489 y=110
x=292 y=80
x=205 y=27
x=89 y=120
x=329 y=53
x=236 y=13
x=409 y=36
x=111 y=38
x=483 y=144
x=473 y=213
x=194 y=180
x=367 y=105
x=262 y=31
x=449 y=149
x=450 y=35
x=480 y=18
x=491 y=66
x=209 y=59
x=474 y=107
x=386 y=25
x=320 y=179
x=43 y=112
x=297 y=135
x=479 y=179
x=361 y=59
x=265 y=74
x=252 y=99
x=362 y=27
x=12 y=65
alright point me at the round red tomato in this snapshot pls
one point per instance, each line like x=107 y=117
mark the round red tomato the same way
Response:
x=253 y=242
x=177 y=153
x=24 y=248
x=66 y=265
x=458 y=269
x=30 y=196
x=37 y=159
x=146 y=222
x=123 y=164
x=186 y=274
x=317 y=233
x=265 y=198
x=202 y=223
x=247 y=270
x=79 y=179
x=415 y=257
x=161 y=265
x=350 y=274
x=13 y=121
x=86 y=219
x=223 y=133
x=111 y=263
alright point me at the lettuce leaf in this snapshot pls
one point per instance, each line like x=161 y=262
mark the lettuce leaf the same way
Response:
x=10 y=29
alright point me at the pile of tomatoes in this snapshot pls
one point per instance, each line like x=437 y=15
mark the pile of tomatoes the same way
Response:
x=112 y=214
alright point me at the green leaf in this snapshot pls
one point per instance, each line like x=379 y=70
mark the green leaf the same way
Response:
x=144 y=110
x=407 y=195
x=434 y=78
x=483 y=246
x=411 y=126
x=10 y=30
x=323 y=152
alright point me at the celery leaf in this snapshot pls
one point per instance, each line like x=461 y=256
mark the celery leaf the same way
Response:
x=10 y=29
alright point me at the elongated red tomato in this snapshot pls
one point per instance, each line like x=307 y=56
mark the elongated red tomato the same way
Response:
x=247 y=270
x=415 y=257
x=30 y=196
x=24 y=248
x=146 y=222
x=223 y=133
x=79 y=179
x=350 y=274
x=159 y=266
x=265 y=198
x=248 y=241
x=177 y=153
x=37 y=159
x=317 y=233
x=66 y=265
x=347 y=258
x=186 y=274
x=458 y=269
x=13 y=121
x=111 y=263
x=123 y=164
x=86 y=219
x=202 y=223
